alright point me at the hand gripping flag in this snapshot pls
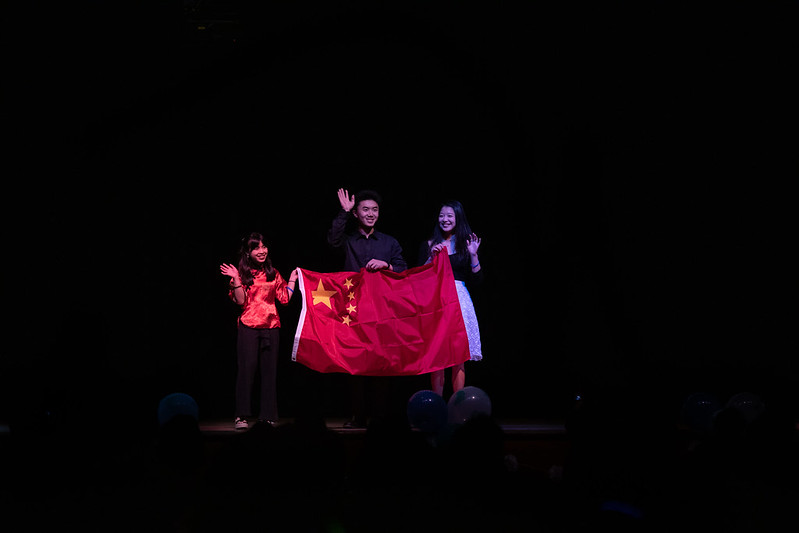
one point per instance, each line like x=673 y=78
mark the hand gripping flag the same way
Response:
x=381 y=323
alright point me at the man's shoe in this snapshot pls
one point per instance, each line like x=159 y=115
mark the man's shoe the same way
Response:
x=241 y=423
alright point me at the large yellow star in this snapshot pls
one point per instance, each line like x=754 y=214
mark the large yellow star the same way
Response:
x=320 y=295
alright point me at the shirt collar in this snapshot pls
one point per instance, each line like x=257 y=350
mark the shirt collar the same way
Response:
x=373 y=235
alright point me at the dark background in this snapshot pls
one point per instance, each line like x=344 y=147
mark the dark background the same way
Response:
x=626 y=165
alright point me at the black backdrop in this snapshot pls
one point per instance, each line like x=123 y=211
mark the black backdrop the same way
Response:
x=624 y=164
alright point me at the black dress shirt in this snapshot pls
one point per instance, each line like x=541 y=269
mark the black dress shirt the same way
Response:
x=360 y=249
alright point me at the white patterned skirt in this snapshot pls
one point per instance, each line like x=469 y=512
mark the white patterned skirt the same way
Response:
x=469 y=320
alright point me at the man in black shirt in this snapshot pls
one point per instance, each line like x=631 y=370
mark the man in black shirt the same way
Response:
x=365 y=247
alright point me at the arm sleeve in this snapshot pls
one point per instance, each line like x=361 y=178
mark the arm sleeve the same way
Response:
x=281 y=294
x=232 y=299
x=424 y=254
x=397 y=262
x=476 y=278
x=335 y=235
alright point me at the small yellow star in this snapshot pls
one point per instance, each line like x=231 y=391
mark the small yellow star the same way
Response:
x=320 y=295
x=346 y=320
x=350 y=295
x=351 y=308
x=348 y=283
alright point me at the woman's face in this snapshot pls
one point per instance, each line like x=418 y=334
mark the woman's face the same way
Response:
x=258 y=254
x=446 y=219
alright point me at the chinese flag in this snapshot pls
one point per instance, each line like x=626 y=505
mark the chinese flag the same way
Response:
x=381 y=323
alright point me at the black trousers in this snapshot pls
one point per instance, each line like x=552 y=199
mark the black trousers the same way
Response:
x=383 y=397
x=369 y=397
x=257 y=351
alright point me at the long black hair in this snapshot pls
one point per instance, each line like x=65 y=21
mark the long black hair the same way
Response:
x=246 y=265
x=462 y=229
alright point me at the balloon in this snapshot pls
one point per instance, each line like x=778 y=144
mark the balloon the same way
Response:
x=427 y=411
x=750 y=405
x=699 y=410
x=174 y=404
x=467 y=403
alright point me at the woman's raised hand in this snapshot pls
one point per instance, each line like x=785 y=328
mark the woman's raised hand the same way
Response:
x=229 y=270
x=473 y=243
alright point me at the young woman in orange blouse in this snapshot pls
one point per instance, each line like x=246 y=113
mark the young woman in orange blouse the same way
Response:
x=256 y=286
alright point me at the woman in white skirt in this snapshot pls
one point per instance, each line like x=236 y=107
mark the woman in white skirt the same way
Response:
x=453 y=235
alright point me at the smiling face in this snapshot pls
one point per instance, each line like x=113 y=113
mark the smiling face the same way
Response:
x=446 y=220
x=259 y=253
x=367 y=212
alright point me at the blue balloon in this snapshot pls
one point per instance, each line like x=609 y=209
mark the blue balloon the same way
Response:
x=699 y=411
x=468 y=403
x=174 y=404
x=427 y=411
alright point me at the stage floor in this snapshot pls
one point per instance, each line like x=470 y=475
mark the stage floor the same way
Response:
x=539 y=446
x=513 y=427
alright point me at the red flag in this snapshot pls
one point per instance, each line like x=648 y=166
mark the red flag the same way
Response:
x=381 y=323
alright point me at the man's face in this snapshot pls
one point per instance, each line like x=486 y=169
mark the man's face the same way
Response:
x=367 y=212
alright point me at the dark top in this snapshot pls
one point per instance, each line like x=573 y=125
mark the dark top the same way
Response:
x=461 y=265
x=360 y=249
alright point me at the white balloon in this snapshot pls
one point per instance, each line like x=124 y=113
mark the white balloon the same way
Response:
x=466 y=404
